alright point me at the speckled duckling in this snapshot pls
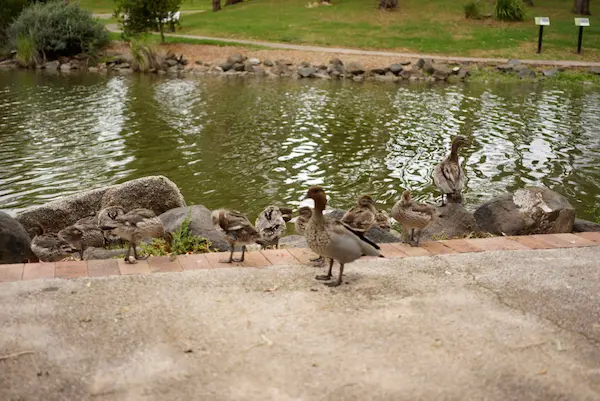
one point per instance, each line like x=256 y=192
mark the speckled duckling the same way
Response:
x=49 y=247
x=412 y=216
x=448 y=176
x=382 y=220
x=362 y=216
x=270 y=225
x=236 y=228
x=332 y=239
x=83 y=234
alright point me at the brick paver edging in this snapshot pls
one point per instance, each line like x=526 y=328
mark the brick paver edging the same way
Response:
x=259 y=259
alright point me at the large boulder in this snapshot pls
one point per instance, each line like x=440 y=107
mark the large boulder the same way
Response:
x=584 y=226
x=355 y=68
x=450 y=221
x=200 y=224
x=15 y=243
x=156 y=193
x=531 y=210
x=375 y=234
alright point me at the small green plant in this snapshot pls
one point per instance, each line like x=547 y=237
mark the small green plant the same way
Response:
x=472 y=10
x=510 y=10
x=145 y=54
x=27 y=54
x=183 y=242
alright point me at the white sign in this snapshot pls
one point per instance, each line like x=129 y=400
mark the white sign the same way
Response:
x=582 y=22
x=542 y=21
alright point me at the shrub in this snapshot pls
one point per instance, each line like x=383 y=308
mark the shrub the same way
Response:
x=59 y=29
x=145 y=54
x=183 y=242
x=27 y=54
x=144 y=15
x=472 y=10
x=510 y=10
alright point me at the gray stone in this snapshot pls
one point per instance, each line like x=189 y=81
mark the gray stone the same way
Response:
x=198 y=62
x=335 y=74
x=172 y=69
x=236 y=58
x=170 y=62
x=336 y=61
x=386 y=78
x=305 y=64
x=283 y=62
x=65 y=67
x=594 y=70
x=254 y=61
x=378 y=71
x=259 y=71
x=463 y=73
x=322 y=75
x=420 y=63
x=396 y=68
x=52 y=65
x=306 y=72
x=404 y=63
x=321 y=67
x=550 y=73
x=293 y=241
x=337 y=68
x=15 y=243
x=513 y=62
x=226 y=66
x=238 y=67
x=441 y=71
x=93 y=253
x=428 y=66
x=455 y=69
x=358 y=78
x=200 y=224
x=268 y=63
x=584 y=226
x=248 y=66
x=355 y=68
x=526 y=74
x=505 y=68
x=450 y=221
x=532 y=210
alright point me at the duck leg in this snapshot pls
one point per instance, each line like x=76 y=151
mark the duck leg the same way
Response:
x=339 y=279
x=230 y=260
x=128 y=256
x=241 y=259
x=418 y=237
x=135 y=255
x=328 y=275
x=318 y=261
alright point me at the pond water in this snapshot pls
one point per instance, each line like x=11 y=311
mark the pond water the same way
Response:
x=246 y=143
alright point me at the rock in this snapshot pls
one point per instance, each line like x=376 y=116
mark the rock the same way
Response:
x=170 y=62
x=335 y=74
x=532 y=210
x=355 y=68
x=92 y=253
x=406 y=73
x=550 y=73
x=65 y=67
x=375 y=234
x=336 y=61
x=441 y=71
x=396 y=68
x=321 y=67
x=594 y=70
x=386 y=78
x=338 y=69
x=284 y=62
x=259 y=71
x=463 y=73
x=200 y=224
x=124 y=66
x=268 y=63
x=306 y=72
x=455 y=69
x=198 y=62
x=183 y=61
x=63 y=60
x=378 y=71
x=405 y=63
x=15 y=243
x=236 y=58
x=93 y=69
x=52 y=65
x=322 y=75
x=156 y=193
x=450 y=221
x=505 y=68
x=172 y=69
x=226 y=66
x=526 y=73
x=254 y=61
x=293 y=241
x=513 y=62
x=358 y=78
x=420 y=63
x=428 y=66
x=238 y=67
x=305 y=64
x=248 y=66
x=584 y=226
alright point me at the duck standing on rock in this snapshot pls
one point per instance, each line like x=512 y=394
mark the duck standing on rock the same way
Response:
x=448 y=176
x=332 y=239
x=362 y=216
x=412 y=216
x=270 y=225
x=236 y=228
x=134 y=226
x=49 y=247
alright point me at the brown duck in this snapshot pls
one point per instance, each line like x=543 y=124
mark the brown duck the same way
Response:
x=362 y=216
x=236 y=228
x=448 y=176
x=412 y=216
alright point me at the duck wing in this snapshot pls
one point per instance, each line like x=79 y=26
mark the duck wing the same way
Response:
x=136 y=216
x=345 y=238
x=422 y=208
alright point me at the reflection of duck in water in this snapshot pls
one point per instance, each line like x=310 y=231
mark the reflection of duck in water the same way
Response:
x=49 y=247
x=236 y=228
x=412 y=216
x=448 y=176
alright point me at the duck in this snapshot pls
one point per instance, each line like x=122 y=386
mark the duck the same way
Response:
x=270 y=225
x=448 y=176
x=236 y=228
x=49 y=247
x=83 y=234
x=412 y=216
x=382 y=220
x=362 y=216
x=133 y=226
x=332 y=239
x=304 y=214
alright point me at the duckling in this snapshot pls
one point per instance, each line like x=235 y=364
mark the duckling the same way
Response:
x=287 y=213
x=270 y=225
x=332 y=239
x=83 y=234
x=134 y=226
x=236 y=228
x=382 y=220
x=301 y=221
x=412 y=216
x=448 y=176
x=361 y=217
x=49 y=247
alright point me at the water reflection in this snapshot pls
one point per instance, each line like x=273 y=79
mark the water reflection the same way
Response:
x=244 y=144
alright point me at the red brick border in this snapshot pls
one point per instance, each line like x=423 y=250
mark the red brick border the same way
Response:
x=261 y=259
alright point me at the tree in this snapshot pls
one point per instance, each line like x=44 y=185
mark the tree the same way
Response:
x=232 y=2
x=216 y=5
x=388 y=4
x=143 y=15
x=582 y=7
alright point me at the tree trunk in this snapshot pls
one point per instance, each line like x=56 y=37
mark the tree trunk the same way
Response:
x=216 y=5
x=161 y=28
x=528 y=2
x=582 y=7
x=388 y=4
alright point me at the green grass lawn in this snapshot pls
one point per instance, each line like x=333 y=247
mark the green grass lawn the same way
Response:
x=107 y=6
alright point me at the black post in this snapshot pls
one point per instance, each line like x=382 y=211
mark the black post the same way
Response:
x=540 y=39
x=579 y=40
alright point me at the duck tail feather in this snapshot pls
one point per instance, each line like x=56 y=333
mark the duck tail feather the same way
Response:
x=362 y=237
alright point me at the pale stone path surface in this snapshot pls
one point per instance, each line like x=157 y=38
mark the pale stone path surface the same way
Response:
x=509 y=325
x=338 y=50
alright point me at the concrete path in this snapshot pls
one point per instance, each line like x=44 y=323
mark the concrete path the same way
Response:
x=110 y=15
x=510 y=325
x=338 y=50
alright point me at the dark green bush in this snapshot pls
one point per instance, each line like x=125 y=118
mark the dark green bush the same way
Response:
x=58 y=29
x=510 y=10
x=472 y=10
